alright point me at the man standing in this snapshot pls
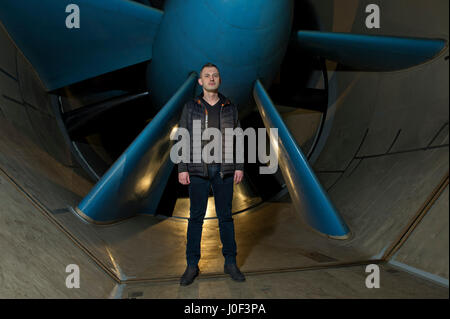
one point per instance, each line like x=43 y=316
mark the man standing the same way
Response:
x=214 y=111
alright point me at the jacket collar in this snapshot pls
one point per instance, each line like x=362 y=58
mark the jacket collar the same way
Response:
x=222 y=99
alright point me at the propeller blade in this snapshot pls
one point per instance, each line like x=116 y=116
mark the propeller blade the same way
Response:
x=136 y=181
x=370 y=52
x=112 y=34
x=307 y=194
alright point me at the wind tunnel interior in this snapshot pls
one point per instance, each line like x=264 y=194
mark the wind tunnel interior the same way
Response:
x=380 y=149
x=100 y=117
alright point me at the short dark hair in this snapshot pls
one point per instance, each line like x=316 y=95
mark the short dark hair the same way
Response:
x=207 y=65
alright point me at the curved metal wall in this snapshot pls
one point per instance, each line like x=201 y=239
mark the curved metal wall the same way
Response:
x=383 y=151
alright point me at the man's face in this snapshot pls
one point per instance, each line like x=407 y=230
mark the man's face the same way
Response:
x=210 y=79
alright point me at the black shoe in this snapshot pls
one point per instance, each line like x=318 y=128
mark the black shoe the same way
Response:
x=189 y=275
x=234 y=272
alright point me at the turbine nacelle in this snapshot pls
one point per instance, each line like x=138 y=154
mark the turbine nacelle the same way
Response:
x=245 y=39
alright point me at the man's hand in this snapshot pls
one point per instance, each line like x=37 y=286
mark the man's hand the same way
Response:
x=238 y=175
x=183 y=178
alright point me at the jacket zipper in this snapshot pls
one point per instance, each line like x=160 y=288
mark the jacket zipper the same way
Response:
x=205 y=169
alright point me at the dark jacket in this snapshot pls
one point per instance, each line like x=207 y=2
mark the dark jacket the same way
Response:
x=195 y=110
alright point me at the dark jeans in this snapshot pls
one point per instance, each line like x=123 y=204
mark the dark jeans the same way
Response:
x=223 y=195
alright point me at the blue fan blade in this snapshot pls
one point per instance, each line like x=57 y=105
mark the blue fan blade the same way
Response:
x=370 y=52
x=308 y=197
x=112 y=34
x=135 y=182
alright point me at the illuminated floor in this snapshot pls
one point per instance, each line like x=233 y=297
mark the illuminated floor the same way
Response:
x=283 y=258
